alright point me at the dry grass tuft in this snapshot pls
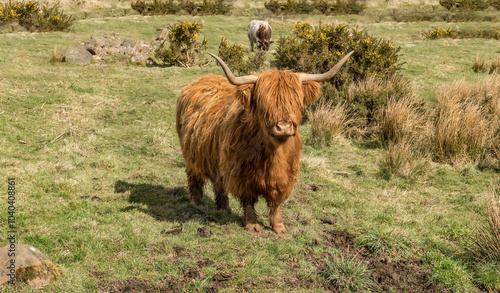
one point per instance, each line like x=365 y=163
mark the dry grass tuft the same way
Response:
x=404 y=118
x=479 y=65
x=487 y=236
x=495 y=66
x=403 y=129
x=466 y=121
x=328 y=122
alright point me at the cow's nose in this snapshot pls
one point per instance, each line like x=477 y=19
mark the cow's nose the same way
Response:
x=283 y=129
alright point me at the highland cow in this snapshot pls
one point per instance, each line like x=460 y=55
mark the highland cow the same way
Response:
x=241 y=134
x=260 y=32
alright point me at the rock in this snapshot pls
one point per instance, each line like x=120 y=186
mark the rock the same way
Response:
x=77 y=54
x=30 y=265
x=129 y=43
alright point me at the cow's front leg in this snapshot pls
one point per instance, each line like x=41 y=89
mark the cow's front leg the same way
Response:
x=221 y=198
x=249 y=215
x=275 y=220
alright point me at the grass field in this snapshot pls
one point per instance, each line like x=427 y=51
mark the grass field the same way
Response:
x=101 y=187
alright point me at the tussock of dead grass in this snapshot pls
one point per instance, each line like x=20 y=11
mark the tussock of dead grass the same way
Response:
x=402 y=119
x=327 y=122
x=467 y=121
x=487 y=237
x=404 y=130
x=479 y=65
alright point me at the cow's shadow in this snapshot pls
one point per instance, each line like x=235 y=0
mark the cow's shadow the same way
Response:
x=171 y=204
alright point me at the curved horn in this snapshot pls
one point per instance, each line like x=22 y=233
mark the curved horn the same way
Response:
x=327 y=75
x=240 y=80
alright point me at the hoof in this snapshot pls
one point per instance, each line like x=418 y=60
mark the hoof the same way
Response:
x=253 y=228
x=280 y=230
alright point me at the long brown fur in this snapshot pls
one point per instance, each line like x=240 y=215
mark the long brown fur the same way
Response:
x=223 y=132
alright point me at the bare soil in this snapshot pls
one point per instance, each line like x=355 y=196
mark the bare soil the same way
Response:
x=404 y=275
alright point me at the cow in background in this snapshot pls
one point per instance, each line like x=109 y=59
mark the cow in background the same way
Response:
x=260 y=32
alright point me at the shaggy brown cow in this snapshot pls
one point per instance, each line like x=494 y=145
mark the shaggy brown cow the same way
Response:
x=241 y=134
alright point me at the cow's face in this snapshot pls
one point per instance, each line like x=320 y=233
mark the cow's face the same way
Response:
x=265 y=44
x=276 y=101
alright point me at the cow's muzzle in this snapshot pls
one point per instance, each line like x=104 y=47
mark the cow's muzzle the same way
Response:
x=282 y=130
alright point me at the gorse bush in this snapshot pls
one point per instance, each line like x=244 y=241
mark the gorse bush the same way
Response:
x=182 y=47
x=232 y=55
x=35 y=17
x=237 y=60
x=371 y=68
x=317 y=49
x=439 y=32
x=305 y=7
x=159 y=7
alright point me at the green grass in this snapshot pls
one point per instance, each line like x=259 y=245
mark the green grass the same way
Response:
x=70 y=133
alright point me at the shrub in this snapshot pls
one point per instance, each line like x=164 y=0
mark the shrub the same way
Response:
x=495 y=4
x=35 y=17
x=181 y=48
x=471 y=5
x=339 y=7
x=234 y=56
x=368 y=97
x=439 y=32
x=207 y=7
x=464 y=5
x=317 y=49
x=157 y=7
x=289 y=7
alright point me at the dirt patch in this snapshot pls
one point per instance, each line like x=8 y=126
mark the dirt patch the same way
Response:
x=340 y=239
x=403 y=276
x=400 y=276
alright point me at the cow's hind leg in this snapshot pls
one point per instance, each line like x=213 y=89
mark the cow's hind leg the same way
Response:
x=195 y=184
x=249 y=215
x=221 y=198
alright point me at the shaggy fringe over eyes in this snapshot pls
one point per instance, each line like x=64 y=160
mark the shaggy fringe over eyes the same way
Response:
x=281 y=96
